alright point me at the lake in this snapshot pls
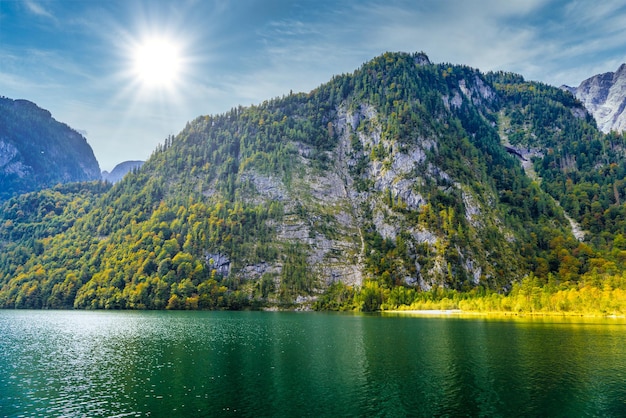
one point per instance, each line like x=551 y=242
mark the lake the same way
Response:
x=197 y=364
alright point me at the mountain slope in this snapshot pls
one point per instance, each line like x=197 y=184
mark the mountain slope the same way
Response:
x=37 y=152
x=404 y=174
x=605 y=97
x=365 y=179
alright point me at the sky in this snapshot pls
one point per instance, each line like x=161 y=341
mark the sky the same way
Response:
x=128 y=73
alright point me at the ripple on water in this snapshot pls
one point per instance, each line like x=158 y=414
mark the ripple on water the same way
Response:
x=134 y=364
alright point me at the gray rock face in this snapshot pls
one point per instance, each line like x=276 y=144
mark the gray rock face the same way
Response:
x=218 y=262
x=8 y=162
x=604 y=95
x=373 y=183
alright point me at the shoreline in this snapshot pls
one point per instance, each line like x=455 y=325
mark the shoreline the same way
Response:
x=427 y=311
x=459 y=312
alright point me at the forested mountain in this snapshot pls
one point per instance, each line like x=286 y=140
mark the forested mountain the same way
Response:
x=37 y=152
x=400 y=179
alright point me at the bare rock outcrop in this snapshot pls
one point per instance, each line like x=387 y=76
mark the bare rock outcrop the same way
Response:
x=604 y=96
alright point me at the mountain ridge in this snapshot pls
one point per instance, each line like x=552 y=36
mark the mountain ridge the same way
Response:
x=120 y=170
x=396 y=176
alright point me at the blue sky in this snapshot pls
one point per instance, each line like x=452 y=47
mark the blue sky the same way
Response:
x=75 y=57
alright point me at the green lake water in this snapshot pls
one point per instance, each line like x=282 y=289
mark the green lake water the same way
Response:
x=196 y=364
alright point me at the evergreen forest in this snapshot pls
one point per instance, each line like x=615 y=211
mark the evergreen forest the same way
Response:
x=403 y=185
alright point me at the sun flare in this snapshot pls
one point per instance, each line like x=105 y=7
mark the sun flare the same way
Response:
x=157 y=62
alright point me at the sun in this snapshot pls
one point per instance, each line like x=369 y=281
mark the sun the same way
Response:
x=157 y=62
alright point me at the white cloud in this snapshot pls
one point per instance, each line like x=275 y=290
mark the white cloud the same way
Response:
x=458 y=32
x=38 y=9
x=297 y=47
x=540 y=39
x=290 y=28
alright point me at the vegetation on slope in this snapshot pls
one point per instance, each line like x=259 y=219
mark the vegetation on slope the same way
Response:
x=225 y=214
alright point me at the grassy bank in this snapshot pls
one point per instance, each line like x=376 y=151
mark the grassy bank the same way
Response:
x=531 y=296
x=582 y=300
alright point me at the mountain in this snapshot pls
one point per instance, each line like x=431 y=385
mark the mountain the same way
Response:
x=401 y=179
x=36 y=151
x=605 y=97
x=120 y=170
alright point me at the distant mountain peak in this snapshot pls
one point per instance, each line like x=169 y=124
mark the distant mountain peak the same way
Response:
x=604 y=95
x=120 y=170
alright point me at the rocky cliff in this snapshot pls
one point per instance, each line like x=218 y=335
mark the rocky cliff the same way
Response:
x=36 y=151
x=604 y=95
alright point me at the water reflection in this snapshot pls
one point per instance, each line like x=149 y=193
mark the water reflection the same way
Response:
x=306 y=364
x=530 y=366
